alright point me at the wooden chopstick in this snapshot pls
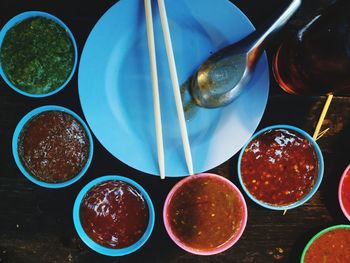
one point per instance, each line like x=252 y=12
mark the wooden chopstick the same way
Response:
x=155 y=91
x=175 y=84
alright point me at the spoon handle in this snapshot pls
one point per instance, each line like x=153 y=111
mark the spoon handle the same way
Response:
x=256 y=41
x=254 y=44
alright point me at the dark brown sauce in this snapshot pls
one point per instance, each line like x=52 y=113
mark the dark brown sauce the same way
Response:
x=205 y=213
x=114 y=214
x=53 y=146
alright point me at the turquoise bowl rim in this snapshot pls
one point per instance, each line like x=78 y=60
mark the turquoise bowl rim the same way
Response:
x=25 y=15
x=17 y=133
x=319 y=176
x=97 y=247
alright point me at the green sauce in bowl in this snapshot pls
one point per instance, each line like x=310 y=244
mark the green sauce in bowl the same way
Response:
x=37 y=55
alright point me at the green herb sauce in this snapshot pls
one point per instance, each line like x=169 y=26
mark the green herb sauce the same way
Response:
x=37 y=55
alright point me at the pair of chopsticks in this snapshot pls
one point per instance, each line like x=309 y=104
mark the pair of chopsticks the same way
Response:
x=175 y=84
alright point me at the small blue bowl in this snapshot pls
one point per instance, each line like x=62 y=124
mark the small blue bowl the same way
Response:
x=20 y=17
x=17 y=133
x=319 y=176
x=97 y=247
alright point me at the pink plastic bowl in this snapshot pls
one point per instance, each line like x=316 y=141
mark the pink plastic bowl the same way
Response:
x=227 y=244
x=340 y=197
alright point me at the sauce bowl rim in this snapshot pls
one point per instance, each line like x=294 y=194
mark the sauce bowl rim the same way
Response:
x=319 y=175
x=318 y=234
x=97 y=247
x=18 y=130
x=341 y=183
x=26 y=15
x=228 y=243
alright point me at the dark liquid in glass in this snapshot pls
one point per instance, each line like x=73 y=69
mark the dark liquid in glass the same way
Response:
x=316 y=60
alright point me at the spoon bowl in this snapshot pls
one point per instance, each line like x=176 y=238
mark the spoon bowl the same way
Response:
x=224 y=75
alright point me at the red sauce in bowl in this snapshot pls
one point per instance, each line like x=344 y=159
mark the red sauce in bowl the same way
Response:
x=330 y=247
x=53 y=146
x=114 y=214
x=345 y=192
x=279 y=167
x=205 y=213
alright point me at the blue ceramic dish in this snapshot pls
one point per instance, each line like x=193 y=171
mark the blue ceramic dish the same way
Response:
x=319 y=176
x=20 y=17
x=97 y=247
x=17 y=133
x=120 y=111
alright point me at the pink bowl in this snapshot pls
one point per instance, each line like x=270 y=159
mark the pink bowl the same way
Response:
x=227 y=244
x=346 y=175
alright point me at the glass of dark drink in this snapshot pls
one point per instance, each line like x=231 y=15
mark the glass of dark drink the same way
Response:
x=316 y=60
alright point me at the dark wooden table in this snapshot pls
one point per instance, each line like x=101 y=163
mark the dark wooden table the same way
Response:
x=36 y=224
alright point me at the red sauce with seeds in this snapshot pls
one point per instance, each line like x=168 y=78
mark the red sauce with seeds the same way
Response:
x=114 y=214
x=279 y=167
x=205 y=213
x=345 y=192
x=331 y=247
x=53 y=146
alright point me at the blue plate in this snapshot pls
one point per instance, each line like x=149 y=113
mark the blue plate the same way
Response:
x=115 y=85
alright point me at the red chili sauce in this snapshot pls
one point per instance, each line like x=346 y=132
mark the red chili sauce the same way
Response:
x=114 y=214
x=279 y=167
x=345 y=192
x=205 y=213
x=53 y=146
x=330 y=247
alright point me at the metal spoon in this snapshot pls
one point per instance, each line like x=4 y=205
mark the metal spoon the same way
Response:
x=221 y=78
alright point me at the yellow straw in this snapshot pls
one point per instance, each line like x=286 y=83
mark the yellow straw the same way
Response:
x=322 y=116
x=317 y=134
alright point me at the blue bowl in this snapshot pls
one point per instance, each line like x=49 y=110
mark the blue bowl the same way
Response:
x=97 y=247
x=319 y=176
x=20 y=17
x=17 y=133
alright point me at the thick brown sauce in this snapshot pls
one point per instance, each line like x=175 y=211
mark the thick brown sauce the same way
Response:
x=114 y=214
x=205 y=213
x=53 y=146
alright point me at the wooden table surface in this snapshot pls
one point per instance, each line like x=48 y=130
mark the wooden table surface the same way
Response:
x=36 y=224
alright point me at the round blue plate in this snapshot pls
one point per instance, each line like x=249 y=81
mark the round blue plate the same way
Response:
x=115 y=85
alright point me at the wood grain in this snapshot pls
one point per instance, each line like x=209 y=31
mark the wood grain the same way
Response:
x=36 y=224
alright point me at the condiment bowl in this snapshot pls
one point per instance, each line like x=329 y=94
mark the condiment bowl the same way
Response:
x=232 y=224
x=331 y=244
x=16 y=136
x=304 y=196
x=345 y=207
x=102 y=249
x=23 y=16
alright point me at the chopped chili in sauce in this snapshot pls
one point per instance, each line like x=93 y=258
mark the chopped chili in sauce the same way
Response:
x=205 y=213
x=53 y=146
x=114 y=214
x=331 y=247
x=345 y=192
x=279 y=167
